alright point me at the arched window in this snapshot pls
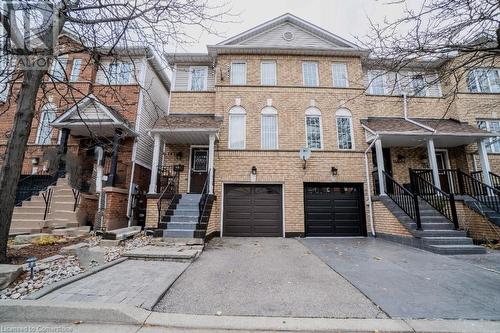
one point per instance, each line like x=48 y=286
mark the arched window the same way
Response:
x=344 y=129
x=237 y=127
x=269 y=128
x=314 y=131
x=47 y=116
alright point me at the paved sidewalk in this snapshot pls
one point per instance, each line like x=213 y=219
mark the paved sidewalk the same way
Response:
x=136 y=282
x=411 y=283
x=264 y=277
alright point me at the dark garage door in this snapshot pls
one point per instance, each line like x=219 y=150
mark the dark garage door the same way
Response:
x=252 y=210
x=334 y=209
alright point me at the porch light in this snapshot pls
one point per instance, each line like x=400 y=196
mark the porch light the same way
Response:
x=254 y=170
x=31 y=261
x=35 y=161
x=334 y=171
x=400 y=158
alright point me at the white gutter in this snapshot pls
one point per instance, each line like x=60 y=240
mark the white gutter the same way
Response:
x=368 y=186
x=405 y=111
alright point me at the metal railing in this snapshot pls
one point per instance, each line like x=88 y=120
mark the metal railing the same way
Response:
x=443 y=202
x=30 y=185
x=405 y=199
x=205 y=197
x=168 y=193
x=426 y=174
x=494 y=178
x=483 y=193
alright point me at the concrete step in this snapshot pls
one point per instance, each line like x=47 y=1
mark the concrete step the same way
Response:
x=62 y=214
x=28 y=215
x=184 y=212
x=433 y=218
x=23 y=231
x=29 y=209
x=62 y=205
x=182 y=225
x=29 y=223
x=178 y=233
x=437 y=226
x=441 y=233
x=456 y=249
x=447 y=240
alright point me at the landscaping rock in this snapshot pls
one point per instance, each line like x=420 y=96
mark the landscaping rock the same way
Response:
x=90 y=257
x=26 y=239
x=72 y=249
x=123 y=233
x=110 y=242
x=8 y=273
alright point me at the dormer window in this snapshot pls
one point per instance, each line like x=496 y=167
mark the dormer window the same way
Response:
x=198 y=78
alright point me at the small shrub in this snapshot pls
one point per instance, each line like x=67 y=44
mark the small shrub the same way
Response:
x=45 y=240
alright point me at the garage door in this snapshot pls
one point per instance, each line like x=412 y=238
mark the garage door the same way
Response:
x=252 y=210
x=334 y=209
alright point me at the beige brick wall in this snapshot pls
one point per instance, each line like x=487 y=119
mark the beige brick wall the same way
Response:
x=477 y=226
x=385 y=222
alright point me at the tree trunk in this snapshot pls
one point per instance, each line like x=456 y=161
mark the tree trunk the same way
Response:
x=14 y=154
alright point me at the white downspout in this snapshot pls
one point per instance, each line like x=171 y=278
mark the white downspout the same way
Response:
x=405 y=111
x=368 y=186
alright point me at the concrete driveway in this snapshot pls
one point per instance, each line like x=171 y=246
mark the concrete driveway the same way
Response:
x=410 y=283
x=267 y=277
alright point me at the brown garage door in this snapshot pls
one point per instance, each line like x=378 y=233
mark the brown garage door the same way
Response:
x=334 y=209
x=252 y=210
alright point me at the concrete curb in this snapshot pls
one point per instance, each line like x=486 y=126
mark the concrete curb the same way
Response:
x=50 y=288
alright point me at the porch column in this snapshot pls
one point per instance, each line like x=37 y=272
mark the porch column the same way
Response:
x=485 y=163
x=154 y=166
x=211 y=147
x=63 y=149
x=114 y=157
x=380 y=166
x=431 y=154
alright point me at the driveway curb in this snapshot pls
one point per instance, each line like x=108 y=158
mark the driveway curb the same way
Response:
x=97 y=313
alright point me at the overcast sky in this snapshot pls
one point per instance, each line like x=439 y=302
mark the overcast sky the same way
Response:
x=346 y=18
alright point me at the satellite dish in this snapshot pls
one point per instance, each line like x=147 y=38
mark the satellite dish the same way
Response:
x=305 y=153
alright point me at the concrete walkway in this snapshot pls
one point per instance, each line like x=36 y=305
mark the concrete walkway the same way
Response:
x=411 y=283
x=135 y=282
x=264 y=277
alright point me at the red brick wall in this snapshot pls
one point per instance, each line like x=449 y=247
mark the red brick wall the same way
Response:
x=115 y=213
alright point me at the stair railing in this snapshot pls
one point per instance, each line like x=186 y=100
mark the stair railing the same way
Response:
x=47 y=199
x=205 y=196
x=31 y=185
x=443 y=202
x=485 y=194
x=405 y=199
x=169 y=192
x=495 y=180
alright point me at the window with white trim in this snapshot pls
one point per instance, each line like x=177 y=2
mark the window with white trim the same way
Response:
x=493 y=126
x=75 y=70
x=198 y=78
x=4 y=77
x=314 y=131
x=44 y=133
x=418 y=85
x=238 y=73
x=339 y=74
x=269 y=128
x=376 y=82
x=237 y=128
x=310 y=73
x=344 y=129
x=268 y=73
x=58 y=68
x=120 y=72
x=483 y=80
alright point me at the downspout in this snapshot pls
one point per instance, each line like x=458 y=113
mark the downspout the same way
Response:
x=368 y=184
x=405 y=111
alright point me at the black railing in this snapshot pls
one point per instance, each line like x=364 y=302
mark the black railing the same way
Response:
x=206 y=197
x=168 y=193
x=426 y=174
x=30 y=185
x=495 y=180
x=376 y=187
x=443 y=202
x=406 y=200
x=477 y=175
x=47 y=198
x=485 y=194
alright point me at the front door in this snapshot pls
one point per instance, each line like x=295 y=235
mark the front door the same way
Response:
x=442 y=164
x=199 y=169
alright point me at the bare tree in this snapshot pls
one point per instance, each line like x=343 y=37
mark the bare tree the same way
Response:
x=32 y=34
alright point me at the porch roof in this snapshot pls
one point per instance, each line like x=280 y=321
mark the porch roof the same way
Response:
x=187 y=128
x=401 y=132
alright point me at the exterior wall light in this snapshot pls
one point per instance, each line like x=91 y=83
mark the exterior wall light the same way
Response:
x=254 y=170
x=400 y=158
x=334 y=171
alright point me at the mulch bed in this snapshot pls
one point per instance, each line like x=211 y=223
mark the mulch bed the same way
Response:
x=19 y=256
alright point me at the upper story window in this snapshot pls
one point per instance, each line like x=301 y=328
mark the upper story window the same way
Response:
x=314 y=131
x=269 y=128
x=58 y=68
x=484 y=80
x=4 y=78
x=418 y=85
x=120 y=72
x=310 y=73
x=344 y=129
x=44 y=133
x=376 y=82
x=198 y=78
x=238 y=73
x=237 y=128
x=414 y=84
x=268 y=73
x=492 y=126
x=75 y=70
x=339 y=74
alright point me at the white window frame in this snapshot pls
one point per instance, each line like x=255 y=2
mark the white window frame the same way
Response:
x=476 y=80
x=72 y=74
x=190 y=78
x=120 y=72
x=346 y=75
x=239 y=62
x=316 y=65
x=377 y=74
x=266 y=112
x=5 y=77
x=275 y=72
x=47 y=108
x=344 y=113
x=61 y=61
x=314 y=112
x=490 y=147
x=237 y=111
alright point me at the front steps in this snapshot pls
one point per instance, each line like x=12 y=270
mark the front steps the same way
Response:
x=181 y=219
x=483 y=210
x=438 y=235
x=28 y=218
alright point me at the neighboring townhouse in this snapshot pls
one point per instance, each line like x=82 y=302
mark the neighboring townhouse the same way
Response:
x=285 y=129
x=94 y=110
